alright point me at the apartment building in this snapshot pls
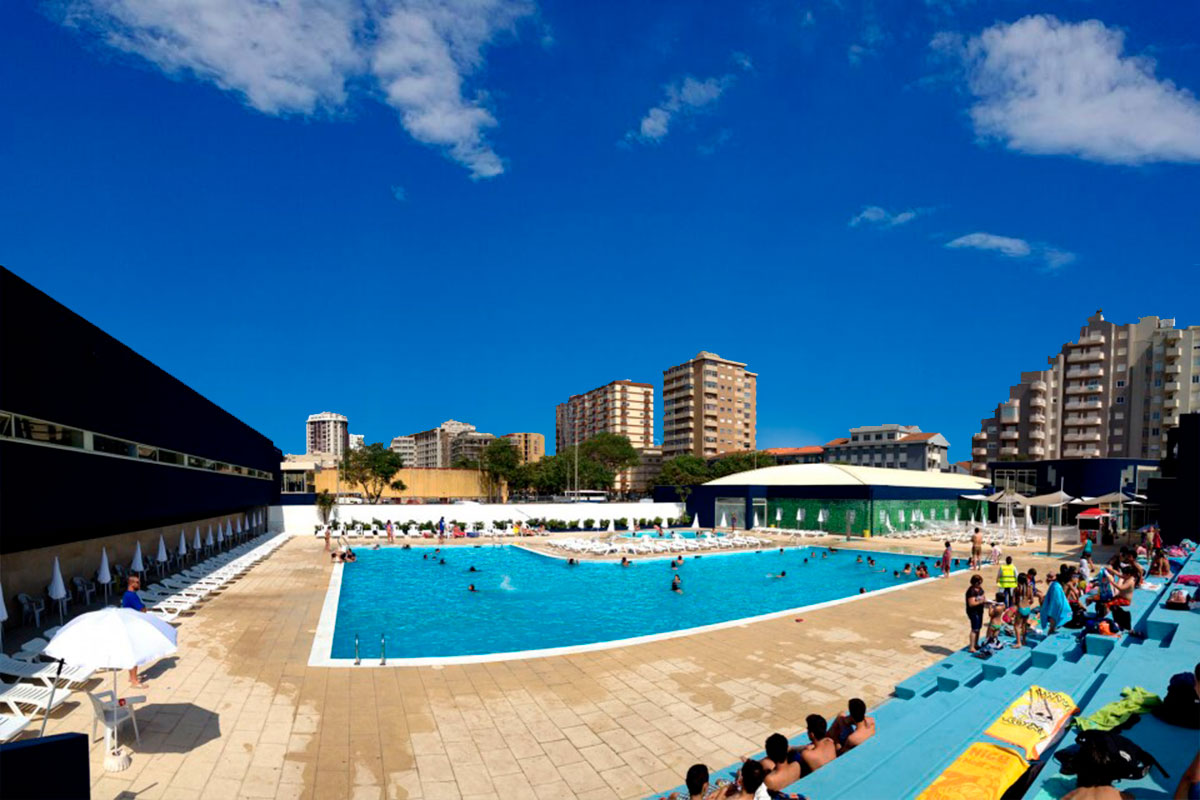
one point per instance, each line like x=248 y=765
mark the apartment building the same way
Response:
x=327 y=434
x=891 y=447
x=709 y=407
x=357 y=441
x=621 y=407
x=431 y=448
x=406 y=446
x=1113 y=393
x=531 y=446
x=468 y=446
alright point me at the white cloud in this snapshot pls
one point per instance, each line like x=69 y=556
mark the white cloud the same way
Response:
x=1051 y=257
x=1055 y=88
x=882 y=218
x=305 y=56
x=1005 y=245
x=688 y=96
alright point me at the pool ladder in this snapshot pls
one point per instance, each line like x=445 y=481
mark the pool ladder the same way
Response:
x=382 y=650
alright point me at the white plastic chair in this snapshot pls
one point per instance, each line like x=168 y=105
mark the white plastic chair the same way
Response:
x=111 y=718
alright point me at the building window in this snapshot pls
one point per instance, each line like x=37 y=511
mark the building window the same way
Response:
x=1121 y=384
x=1121 y=400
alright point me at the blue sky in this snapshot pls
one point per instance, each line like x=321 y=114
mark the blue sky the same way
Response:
x=414 y=211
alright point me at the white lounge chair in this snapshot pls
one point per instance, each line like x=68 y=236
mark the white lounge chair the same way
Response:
x=44 y=672
x=15 y=695
x=11 y=725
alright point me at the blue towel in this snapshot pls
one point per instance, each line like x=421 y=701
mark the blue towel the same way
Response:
x=1055 y=606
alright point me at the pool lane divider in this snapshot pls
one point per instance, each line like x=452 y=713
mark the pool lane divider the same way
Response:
x=322 y=647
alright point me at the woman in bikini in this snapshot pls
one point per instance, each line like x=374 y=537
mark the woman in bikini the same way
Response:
x=1024 y=601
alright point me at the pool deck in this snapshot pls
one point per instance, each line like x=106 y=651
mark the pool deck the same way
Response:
x=239 y=713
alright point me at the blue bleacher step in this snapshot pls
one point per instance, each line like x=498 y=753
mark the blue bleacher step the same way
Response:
x=959 y=673
x=927 y=679
x=1052 y=648
x=1004 y=661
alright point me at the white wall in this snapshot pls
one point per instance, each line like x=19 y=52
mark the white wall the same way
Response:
x=302 y=519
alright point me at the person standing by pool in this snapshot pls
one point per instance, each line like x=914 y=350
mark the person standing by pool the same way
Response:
x=1025 y=600
x=391 y=533
x=1006 y=579
x=441 y=530
x=131 y=600
x=975 y=601
x=946 y=555
x=976 y=550
x=996 y=552
x=327 y=536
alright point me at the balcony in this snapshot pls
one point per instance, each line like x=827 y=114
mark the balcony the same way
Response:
x=1037 y=402
x=1084 y=405
x=1037 y=450
x=1089 y=372
x=1173 y=386
x=1087 y=421
x=1084 y=389
x=1088 y=340
x=1085 y=356
x=1010 y=435
x=1170 y=418
x=1082 y=437
x=979 y=451
x=1037 y=434
x=1174 y=352
x=1174 y=369
x=1081 y=452
x=1010 y=451
x=1037 y=419
x=1038 y=386
x=980 y=435
x=1171 y=402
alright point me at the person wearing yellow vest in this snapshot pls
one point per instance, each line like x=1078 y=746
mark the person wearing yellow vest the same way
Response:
x=1006 y=580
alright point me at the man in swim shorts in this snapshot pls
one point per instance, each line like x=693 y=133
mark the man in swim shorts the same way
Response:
x=852 y=729
x=677 y=585
x=976 y=550
x=782 y=769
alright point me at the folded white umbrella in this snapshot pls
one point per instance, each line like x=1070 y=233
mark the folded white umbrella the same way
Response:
x=3 y=616
x=162 y=550
x=209 y=541
x=220 y=534
x=779 y=515
x=239 y=526
x=196 y=541
x=136 y=565
x=182 y=543
x=696 y=522
x=228 y=529
x=104 y=575
x=112 y=638
x=57 y=589
x=724 y=521
x=755 y=519
x=612 y=526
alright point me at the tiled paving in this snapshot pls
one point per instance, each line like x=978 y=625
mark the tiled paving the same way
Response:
x=239 y=714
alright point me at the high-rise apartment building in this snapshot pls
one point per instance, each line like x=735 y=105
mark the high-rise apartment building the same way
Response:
x=892 y=447
x=468 y=446
x=357 y=441
x=531 y=446
x=709 y=407
x=327 y=434
x=407 y=448
x=1113 y=393
x=621 y=407
x=431 y=448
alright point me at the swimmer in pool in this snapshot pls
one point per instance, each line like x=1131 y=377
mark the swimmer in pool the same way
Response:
x=824 y=555
x=425 y=556
x=443 y=561
x=625 y=562
x=782 y=574
x=472 y=588
x=677 y=585
x=472 y=569
x=907 y=569
x=859 y=560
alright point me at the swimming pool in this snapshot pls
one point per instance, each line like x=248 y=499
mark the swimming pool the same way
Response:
x=531 y=602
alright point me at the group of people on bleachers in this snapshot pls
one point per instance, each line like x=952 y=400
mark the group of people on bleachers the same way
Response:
x=782 y=765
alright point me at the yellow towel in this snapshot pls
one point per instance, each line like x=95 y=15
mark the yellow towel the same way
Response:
x=983 y=772
x=1034 y=720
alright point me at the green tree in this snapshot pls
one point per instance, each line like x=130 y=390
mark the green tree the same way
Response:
x=683 y=470
x=740 y=462
x=372 y=467
x=499 y=462
x=611 y=450
x=324 y=503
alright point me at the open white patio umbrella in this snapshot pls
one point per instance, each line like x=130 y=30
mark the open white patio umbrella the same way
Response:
x=161 y=558
x=196 y=545
x=104 y=575
x=182 y=544
x=112 y=638
x=57 y=589
x=136 y=565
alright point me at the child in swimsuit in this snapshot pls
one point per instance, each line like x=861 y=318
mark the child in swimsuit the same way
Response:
x=995 y=621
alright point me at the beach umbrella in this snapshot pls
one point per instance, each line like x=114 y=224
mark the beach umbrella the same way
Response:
x=136 y=565
x=778 y=515
x=239 y=527
x=631 y=524
x=220 y=535
x=696 y=522
x=612 y=526
x=3 y=617
x=756 y=519
x=229 y=530
x=196 y=541
x=956 y=512
x=104 y=575
x=161 y=558
x=724 y=520
x=112 y=638
x=209 y=541
x=182 y=544
x=57 y=589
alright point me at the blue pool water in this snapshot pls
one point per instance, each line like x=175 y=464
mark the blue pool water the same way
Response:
x=528 y=601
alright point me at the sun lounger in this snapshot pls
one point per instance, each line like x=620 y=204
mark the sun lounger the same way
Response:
x=44 y=672
x=11 y=725
x=15 y=695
